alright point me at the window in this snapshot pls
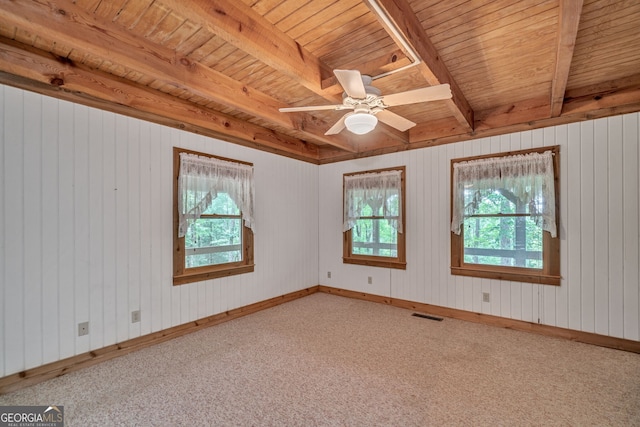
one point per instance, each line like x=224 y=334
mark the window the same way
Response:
x=504 y=215
x=374 y=218
x=213 y=217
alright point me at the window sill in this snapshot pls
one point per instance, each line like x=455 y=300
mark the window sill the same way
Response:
x=376 y=262
x=525 y=275
x=199 y=276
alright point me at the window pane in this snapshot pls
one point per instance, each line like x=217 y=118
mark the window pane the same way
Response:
x=392 y=202
x=223 y=205
x=505 y=241
x=375 y=206
x=367 y=210
x=490 y=202
x=374 y=237
x=212 y=241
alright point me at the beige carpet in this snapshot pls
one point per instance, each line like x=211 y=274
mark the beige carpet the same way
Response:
x=325 y=360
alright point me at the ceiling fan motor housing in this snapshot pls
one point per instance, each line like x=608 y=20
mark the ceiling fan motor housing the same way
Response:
x=366 y=80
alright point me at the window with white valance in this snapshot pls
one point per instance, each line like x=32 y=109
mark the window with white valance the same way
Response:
x=380 y=191
x=214 y=217
x=529 y=177
x=202 y=178
x=373 y=218
x=503 y=216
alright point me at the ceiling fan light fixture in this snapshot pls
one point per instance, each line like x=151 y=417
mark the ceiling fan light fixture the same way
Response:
x=361 y=123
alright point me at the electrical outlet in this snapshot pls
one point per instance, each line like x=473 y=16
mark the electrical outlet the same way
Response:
x=370 y=280
x=328 y=275
x=485 y=297
x=135 y=316
x=83 y=329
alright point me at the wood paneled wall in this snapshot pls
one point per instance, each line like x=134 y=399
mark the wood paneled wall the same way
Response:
x=85 y=230
x=599 y=202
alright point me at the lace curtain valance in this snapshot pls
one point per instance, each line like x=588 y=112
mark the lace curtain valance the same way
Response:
x=382 y=191
x=529 y=177
x=202 y=178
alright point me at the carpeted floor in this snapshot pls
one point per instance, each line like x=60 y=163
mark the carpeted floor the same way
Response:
x=325 y=360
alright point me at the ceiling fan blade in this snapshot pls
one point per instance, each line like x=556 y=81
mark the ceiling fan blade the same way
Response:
x=351 y=81
x=394 y=120
x=337 y=128
x=312 y=108
x=426 y=94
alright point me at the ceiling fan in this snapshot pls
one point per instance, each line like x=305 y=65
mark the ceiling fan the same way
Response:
x=369 y=105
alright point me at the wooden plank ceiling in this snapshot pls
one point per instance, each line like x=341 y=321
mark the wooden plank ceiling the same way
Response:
x=224 y=68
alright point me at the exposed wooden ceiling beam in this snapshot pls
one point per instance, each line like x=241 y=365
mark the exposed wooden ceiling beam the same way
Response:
x=435 y=129
x=431 y=67
x=69 y=24
x=604 y=88
x=28 y=68
x=240 y=25
x=527 y=115
x=569 y=20
x=75 y=82
x=511 y=114
x=617 y=101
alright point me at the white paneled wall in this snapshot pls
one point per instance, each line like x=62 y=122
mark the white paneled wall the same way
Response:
x=599 y=202
x=86 y=230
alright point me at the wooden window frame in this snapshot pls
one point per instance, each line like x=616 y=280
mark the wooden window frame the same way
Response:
x=398 y=262
x=550 y=272
x=182 y=275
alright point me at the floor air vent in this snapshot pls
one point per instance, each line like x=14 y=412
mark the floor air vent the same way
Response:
x=426 y=316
